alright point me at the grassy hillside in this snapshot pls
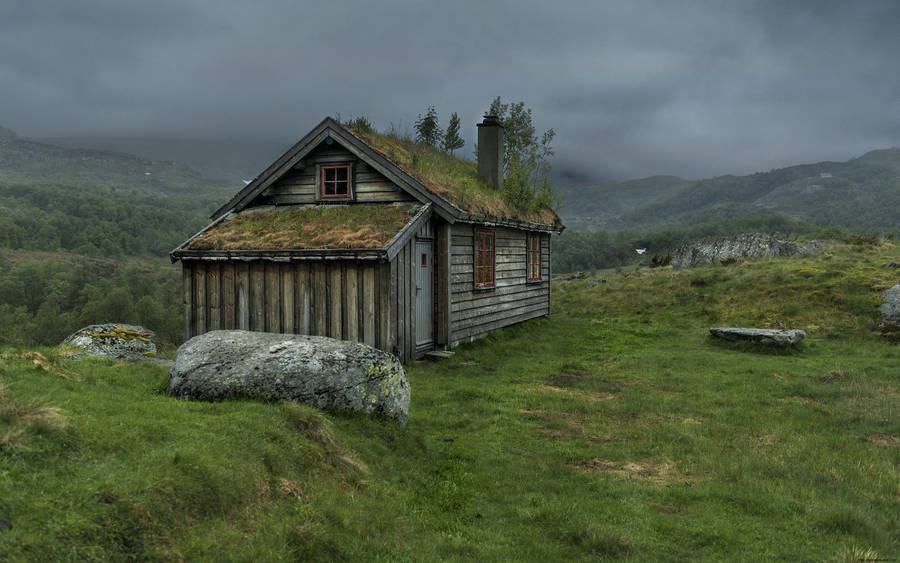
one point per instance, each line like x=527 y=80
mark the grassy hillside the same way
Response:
x=862 y=192
x=615 y=429
x=25 y=161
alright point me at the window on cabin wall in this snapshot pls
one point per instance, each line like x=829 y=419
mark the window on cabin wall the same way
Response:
x=334 y=182
x=484 y=259
x=533 y=256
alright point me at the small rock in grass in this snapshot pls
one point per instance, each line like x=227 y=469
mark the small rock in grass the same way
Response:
x=774 y=337
x=890 y=313
x=892 y=264
x=128 y=343
x=5 y=525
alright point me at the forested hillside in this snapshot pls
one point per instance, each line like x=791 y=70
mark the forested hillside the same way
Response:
x=84 y=238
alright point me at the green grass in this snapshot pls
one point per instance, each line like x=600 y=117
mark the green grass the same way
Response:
x=616 y=429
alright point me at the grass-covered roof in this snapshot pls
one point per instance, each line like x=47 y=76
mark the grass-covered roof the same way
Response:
x=454 y=179
x=318 y=227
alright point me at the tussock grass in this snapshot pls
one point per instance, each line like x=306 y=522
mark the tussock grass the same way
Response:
x=614 y=430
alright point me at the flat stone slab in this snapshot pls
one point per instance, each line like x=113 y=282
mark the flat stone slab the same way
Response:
x=769 y=336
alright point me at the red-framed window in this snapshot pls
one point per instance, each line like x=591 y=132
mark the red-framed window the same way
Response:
x=533 y=258
x=334 y=182
x=484 y=259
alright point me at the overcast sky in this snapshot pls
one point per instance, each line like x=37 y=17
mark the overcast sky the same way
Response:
x=632 y=88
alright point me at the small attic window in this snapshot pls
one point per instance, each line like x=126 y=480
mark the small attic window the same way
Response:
x=334 y=182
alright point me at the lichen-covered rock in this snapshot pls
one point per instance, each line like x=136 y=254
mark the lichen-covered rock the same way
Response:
x=890 y=313
x=751 y=245
x=123 y=342
x=315 y=370
x=760 y=335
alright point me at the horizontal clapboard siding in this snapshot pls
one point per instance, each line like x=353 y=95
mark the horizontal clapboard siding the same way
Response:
x=513 y=299
x=301 y=186
x=341 y=299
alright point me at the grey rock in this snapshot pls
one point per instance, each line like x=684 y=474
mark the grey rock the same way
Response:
x=728 y=249
x=315 y=370
x=890 y=310
x=122 y=342
x=892 y=264
x=760 y=335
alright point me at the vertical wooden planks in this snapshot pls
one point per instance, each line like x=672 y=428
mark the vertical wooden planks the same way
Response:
x=391 y=304
x=228 y=297
x=242 y=282
x=288 y=319
x=302 y=297
x=382 y=282
x=187 y=300
x=368 y=305
x=257 y=296
x=212 y=297
x=321 y=299
x=442 y=272
x=402 y=289
x=200 y=296
x=333 y=302
x=273 y=296
x=412 y=263
x=351 y=302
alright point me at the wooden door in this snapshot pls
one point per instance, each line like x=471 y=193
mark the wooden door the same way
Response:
x=424 y=293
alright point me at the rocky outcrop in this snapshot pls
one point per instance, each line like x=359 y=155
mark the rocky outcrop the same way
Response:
x=890 y=313
x=767 y=336
x=725 y=250
x=128 y=343
x=315 y=370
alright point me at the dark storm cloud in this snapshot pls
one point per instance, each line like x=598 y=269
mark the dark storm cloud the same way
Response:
x=632 y=88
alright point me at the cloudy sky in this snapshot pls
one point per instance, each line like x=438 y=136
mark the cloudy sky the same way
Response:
x=632 y=87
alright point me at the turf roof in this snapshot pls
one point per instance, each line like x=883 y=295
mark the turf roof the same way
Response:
x=451 y=178
x=318 y=227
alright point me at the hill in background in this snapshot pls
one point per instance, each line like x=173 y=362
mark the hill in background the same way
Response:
x=233 y=161
x=862 y=192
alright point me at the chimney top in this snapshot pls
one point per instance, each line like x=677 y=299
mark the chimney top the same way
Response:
x=490 y=120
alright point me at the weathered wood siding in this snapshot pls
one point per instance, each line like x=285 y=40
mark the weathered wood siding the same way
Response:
x=342 y=299
x=513 y=299
x=300 y=186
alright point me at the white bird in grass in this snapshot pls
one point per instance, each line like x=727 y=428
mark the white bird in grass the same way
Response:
x=640 y=250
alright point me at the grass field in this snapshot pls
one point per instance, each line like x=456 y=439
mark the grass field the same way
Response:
x=615 y=429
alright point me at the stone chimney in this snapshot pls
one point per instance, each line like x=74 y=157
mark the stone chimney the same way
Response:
x=490 y=151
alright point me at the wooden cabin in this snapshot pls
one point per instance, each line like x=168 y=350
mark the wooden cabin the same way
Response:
x=360 y=236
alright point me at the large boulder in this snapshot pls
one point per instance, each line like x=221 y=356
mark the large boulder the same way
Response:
x=122 y=342
x=760 y=335
x=319 y=371
x=751 y=245
x=890 y=313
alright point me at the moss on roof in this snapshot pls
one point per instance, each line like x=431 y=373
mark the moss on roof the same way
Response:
x=324 y=226
x=452 y=178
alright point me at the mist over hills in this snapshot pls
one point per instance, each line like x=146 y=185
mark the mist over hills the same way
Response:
x=233 y=161
x=99 y=203
x=862 y=192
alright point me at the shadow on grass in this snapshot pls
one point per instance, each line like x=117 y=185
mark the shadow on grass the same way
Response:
x=756 y=347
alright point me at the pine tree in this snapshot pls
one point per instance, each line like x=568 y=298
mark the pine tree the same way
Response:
x=452 y=140
x=427 y=129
